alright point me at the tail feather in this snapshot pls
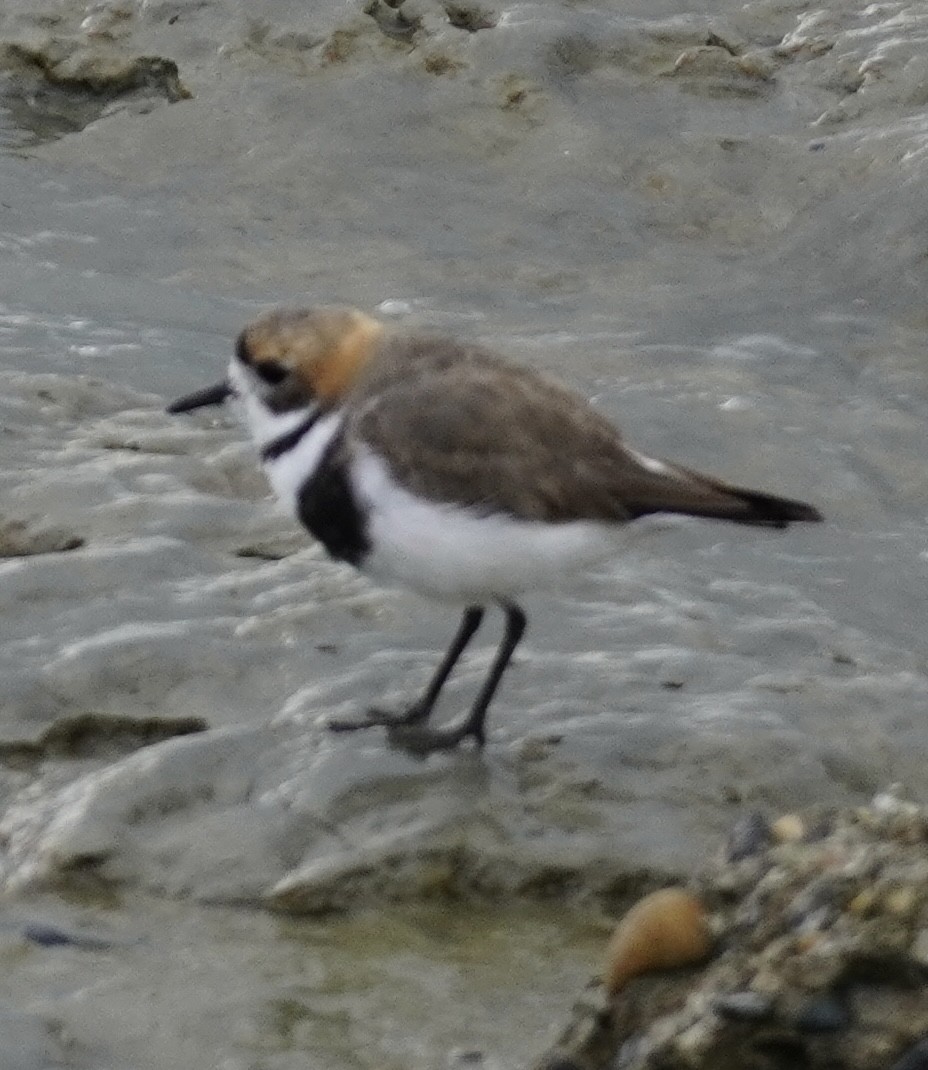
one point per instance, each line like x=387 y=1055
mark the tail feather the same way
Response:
x=685 y=491
x=767 y=510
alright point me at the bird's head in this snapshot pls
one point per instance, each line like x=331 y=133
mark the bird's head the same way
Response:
x=292 y=360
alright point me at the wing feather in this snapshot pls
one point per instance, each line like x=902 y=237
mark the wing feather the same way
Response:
x=465 y=427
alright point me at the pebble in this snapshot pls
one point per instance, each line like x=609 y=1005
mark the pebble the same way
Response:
x=901 y=901
x=751 y=835
x=824 y=1014
x=890 y=804
x=52 y=936
x=662 y=931
x=920 y=947
x=465 y=1057
x=744 y=1006
x=864 y=903
x=788 y=828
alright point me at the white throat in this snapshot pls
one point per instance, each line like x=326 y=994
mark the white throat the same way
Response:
x=263 y=425
x=288 y=471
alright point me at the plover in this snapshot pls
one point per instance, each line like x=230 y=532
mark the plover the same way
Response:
x=440 y=466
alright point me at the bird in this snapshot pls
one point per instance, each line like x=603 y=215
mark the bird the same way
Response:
x=436 y=464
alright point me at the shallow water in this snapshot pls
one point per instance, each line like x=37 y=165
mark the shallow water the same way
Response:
x=728 y=262
x=289 y=988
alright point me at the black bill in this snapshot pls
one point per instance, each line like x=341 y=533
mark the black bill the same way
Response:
x=209 y=395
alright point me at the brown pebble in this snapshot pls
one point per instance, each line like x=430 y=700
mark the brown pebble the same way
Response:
x=864 y=904
x=789 y=828
x=901 y=901
x=808 y=942
x=666 y=929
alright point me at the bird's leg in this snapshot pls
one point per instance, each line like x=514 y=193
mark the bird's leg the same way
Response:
x=420 y=709
x=420 y=739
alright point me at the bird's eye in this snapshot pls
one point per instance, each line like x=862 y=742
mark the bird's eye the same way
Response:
x=271 y=371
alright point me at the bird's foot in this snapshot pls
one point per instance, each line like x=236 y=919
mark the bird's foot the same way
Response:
x=378 y=718
x=420 y=740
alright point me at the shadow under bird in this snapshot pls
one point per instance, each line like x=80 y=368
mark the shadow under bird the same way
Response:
x=438 y=465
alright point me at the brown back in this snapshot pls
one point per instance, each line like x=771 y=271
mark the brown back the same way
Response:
x=456 y=423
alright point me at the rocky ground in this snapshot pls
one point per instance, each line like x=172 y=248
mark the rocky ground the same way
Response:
x=810 y=941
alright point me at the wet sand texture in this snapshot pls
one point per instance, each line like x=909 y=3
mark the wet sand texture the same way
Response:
x=710 y=225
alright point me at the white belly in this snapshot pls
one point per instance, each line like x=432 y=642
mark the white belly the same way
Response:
x=446 y=552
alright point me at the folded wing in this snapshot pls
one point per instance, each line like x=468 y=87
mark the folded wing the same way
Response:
x=495 y=437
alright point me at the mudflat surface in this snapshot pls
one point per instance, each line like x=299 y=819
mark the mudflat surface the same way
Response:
x=709 y=224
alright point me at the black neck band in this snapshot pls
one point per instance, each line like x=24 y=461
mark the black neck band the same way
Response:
x=284 y=443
